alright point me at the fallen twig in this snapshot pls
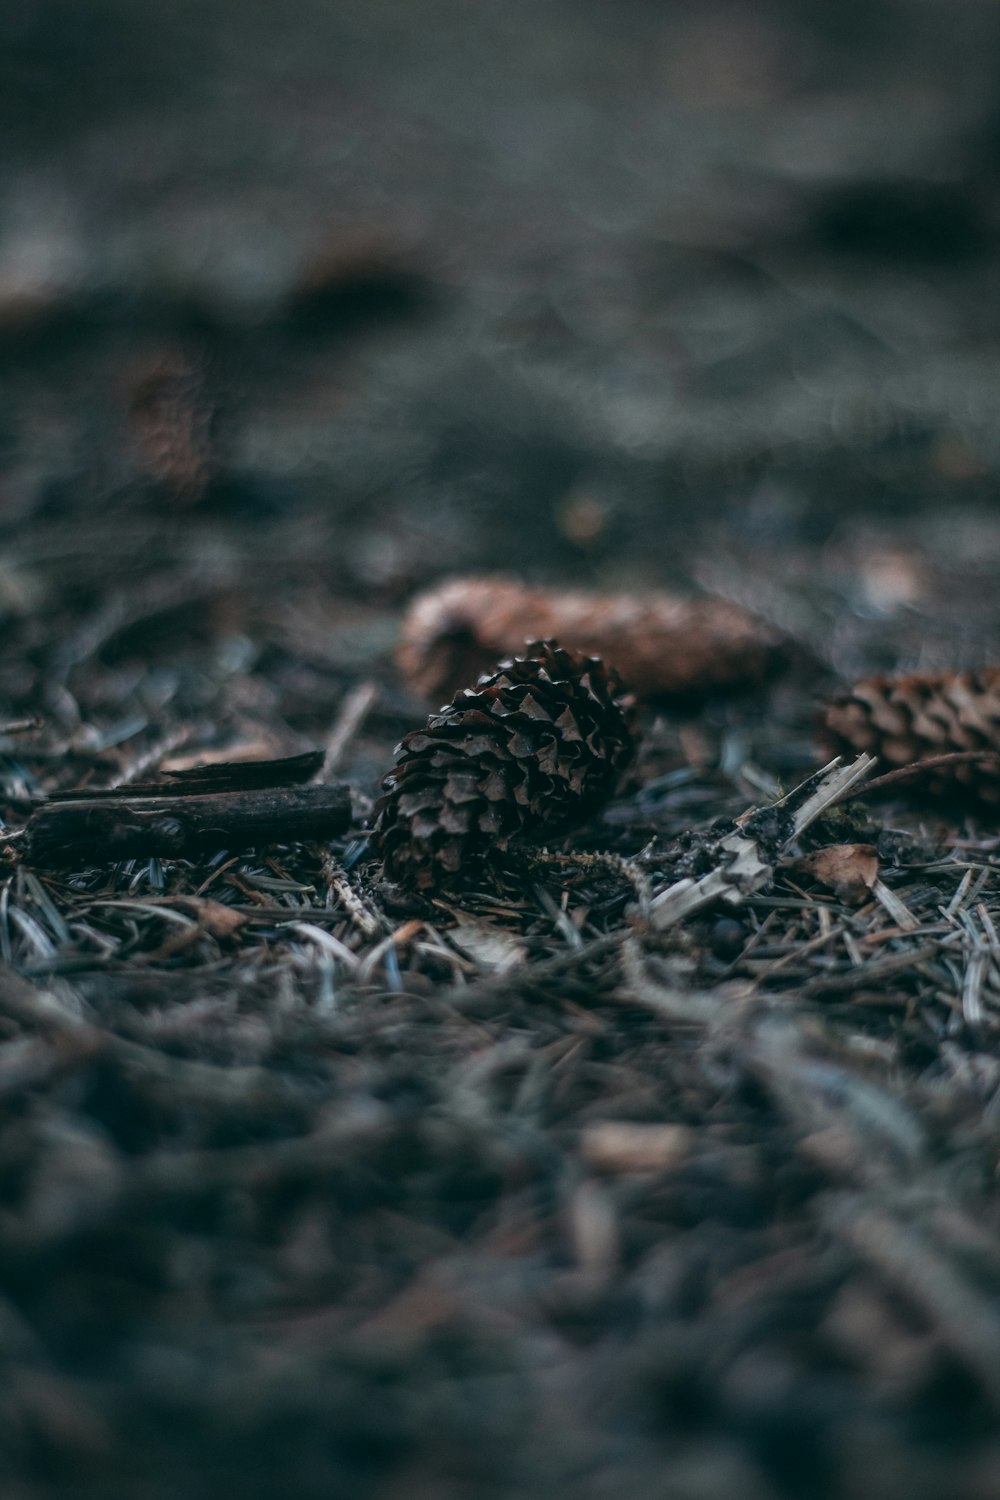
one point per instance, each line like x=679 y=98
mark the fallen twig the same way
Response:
x=215 y=776
x=353 y=712
x=112 y=828
x=19 y=726
x=925 y=767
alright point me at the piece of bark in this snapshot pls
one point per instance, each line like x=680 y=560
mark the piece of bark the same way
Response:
x=662 y=646
x=222 y=776
x=101 y=829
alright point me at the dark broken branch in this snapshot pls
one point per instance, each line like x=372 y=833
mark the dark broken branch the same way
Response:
x=223 y=776
x=101 y=829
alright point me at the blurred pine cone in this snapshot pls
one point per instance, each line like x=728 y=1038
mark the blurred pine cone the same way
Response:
x=904 y=719
x=172 y=420
x=661 y=645
x=544 y=739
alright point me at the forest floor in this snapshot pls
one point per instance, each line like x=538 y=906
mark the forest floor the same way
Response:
x=512 y=1193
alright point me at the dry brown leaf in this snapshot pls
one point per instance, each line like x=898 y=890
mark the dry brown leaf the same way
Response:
x=850 y=870
x=214 y=917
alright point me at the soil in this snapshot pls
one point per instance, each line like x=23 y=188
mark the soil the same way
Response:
x=311 y=1187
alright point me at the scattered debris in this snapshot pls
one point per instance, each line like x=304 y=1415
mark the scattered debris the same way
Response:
x=743 y=861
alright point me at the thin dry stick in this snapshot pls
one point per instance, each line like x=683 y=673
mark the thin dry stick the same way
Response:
x=918 y=768
x=152 y=757
x=353 y=712
x=364 y=917
x=20 y=726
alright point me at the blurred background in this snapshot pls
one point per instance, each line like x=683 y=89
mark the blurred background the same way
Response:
x=311 y=304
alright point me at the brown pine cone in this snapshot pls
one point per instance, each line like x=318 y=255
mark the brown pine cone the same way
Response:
x=661 y=646
x=172 y=420
x=905 y=719
x=543 y=740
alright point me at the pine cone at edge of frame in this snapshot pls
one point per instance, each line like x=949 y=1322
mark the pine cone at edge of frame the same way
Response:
x=911 y=718
x=542 y=741
x=662 y=646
